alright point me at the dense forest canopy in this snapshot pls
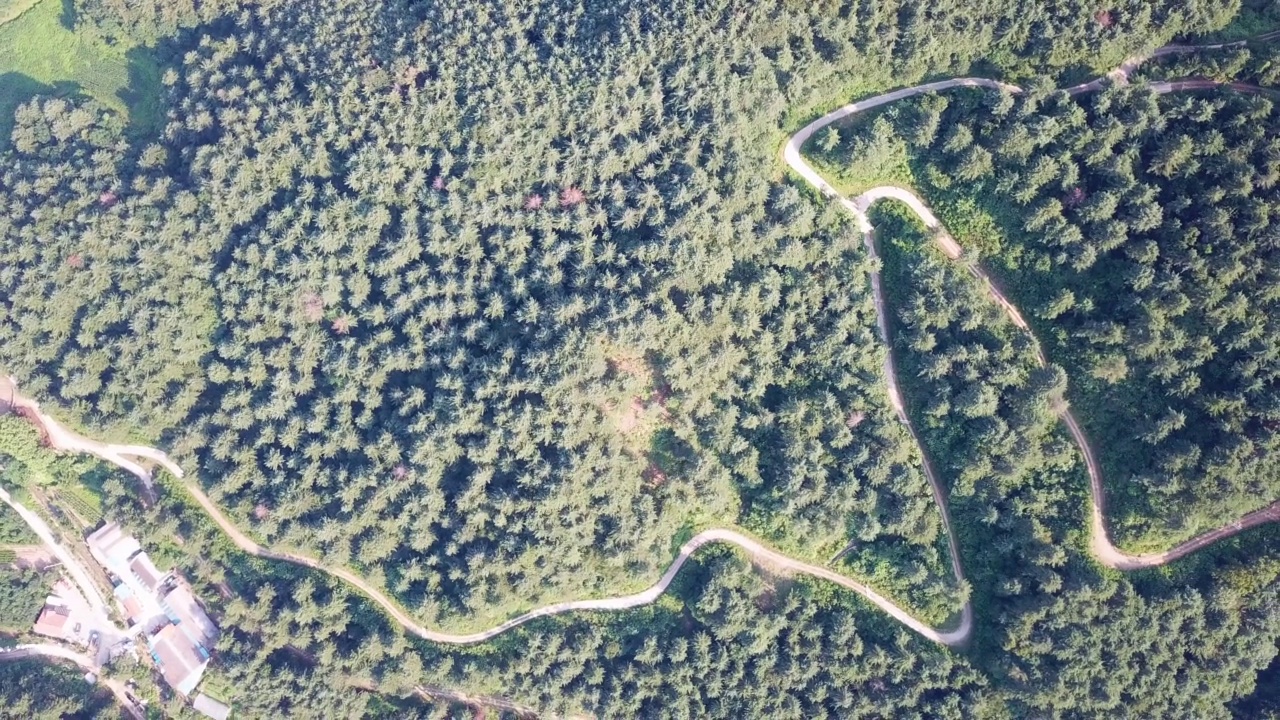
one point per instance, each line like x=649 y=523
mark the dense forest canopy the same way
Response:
x=1140 y=231
x=496 y=302
x=35 y=689
x=1057 y=638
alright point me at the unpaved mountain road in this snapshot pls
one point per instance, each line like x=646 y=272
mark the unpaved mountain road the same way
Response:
x=1100 y=542
x=1105 y=552
x=752 y=547
x=61 y=438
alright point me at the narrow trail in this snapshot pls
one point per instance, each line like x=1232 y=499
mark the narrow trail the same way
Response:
x=1103 y=549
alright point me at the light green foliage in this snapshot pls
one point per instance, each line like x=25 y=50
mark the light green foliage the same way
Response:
x=40 y=53
x=83 y=503
x=10 y=10
x=20 y=440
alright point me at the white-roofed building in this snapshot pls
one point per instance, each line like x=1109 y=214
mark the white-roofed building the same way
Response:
x=179 y=632
x=183 y=609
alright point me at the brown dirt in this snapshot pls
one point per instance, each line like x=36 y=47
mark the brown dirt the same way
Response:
x=638 y=417
x=34 y=557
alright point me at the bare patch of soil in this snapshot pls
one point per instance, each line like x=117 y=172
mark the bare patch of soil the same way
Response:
x=638 y=414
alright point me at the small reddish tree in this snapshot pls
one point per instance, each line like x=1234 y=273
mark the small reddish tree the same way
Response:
x=343 y=324
x=533 y=202
x=1074 y=197
x=313 y=306
x=1103 y=17
x=571 y=196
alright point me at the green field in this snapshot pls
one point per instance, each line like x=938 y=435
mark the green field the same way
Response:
x=11 y=9
x=41 y=53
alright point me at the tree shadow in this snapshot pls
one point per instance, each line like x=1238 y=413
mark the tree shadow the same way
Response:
x=17 y=88
x=142 y=94
x=69 y=14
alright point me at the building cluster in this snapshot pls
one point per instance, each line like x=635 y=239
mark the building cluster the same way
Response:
x=158 y=604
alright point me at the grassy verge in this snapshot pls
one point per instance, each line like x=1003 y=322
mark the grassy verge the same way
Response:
x=44 y=50
x=11 y=10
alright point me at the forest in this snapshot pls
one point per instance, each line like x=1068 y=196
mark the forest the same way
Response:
x=496 y=303
x=40 y=691
x=1138 y=228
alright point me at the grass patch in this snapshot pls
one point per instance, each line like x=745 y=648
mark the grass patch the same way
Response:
x=219 y=687
x=11 y=10
x=44 y=50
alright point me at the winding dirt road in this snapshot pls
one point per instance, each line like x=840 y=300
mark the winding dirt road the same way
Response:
x=1100 y=542
x=949 y=637
x=1102 y=547
x=61 y=438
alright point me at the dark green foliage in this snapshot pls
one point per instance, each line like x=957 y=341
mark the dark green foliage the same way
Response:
x=1055 y=639
x=22 y=594
x=12 y=530
x=42 y=690
x=1065 y=640
x=150 y=20
x=1264 y=702
x=1140 y=236
x=97 y=274
x=492 y=300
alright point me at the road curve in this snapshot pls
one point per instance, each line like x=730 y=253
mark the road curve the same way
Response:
x=1100 y=542
x=754 y=548
x=60 y=438
x=1106 y=553
x=65 y=440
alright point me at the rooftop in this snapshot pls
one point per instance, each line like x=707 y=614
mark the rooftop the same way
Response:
x=52 y=621
x=112 y=547
x=211 y=708
x=188 y=614
x=132 y=606
x=146 y=571
x=180 y=663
